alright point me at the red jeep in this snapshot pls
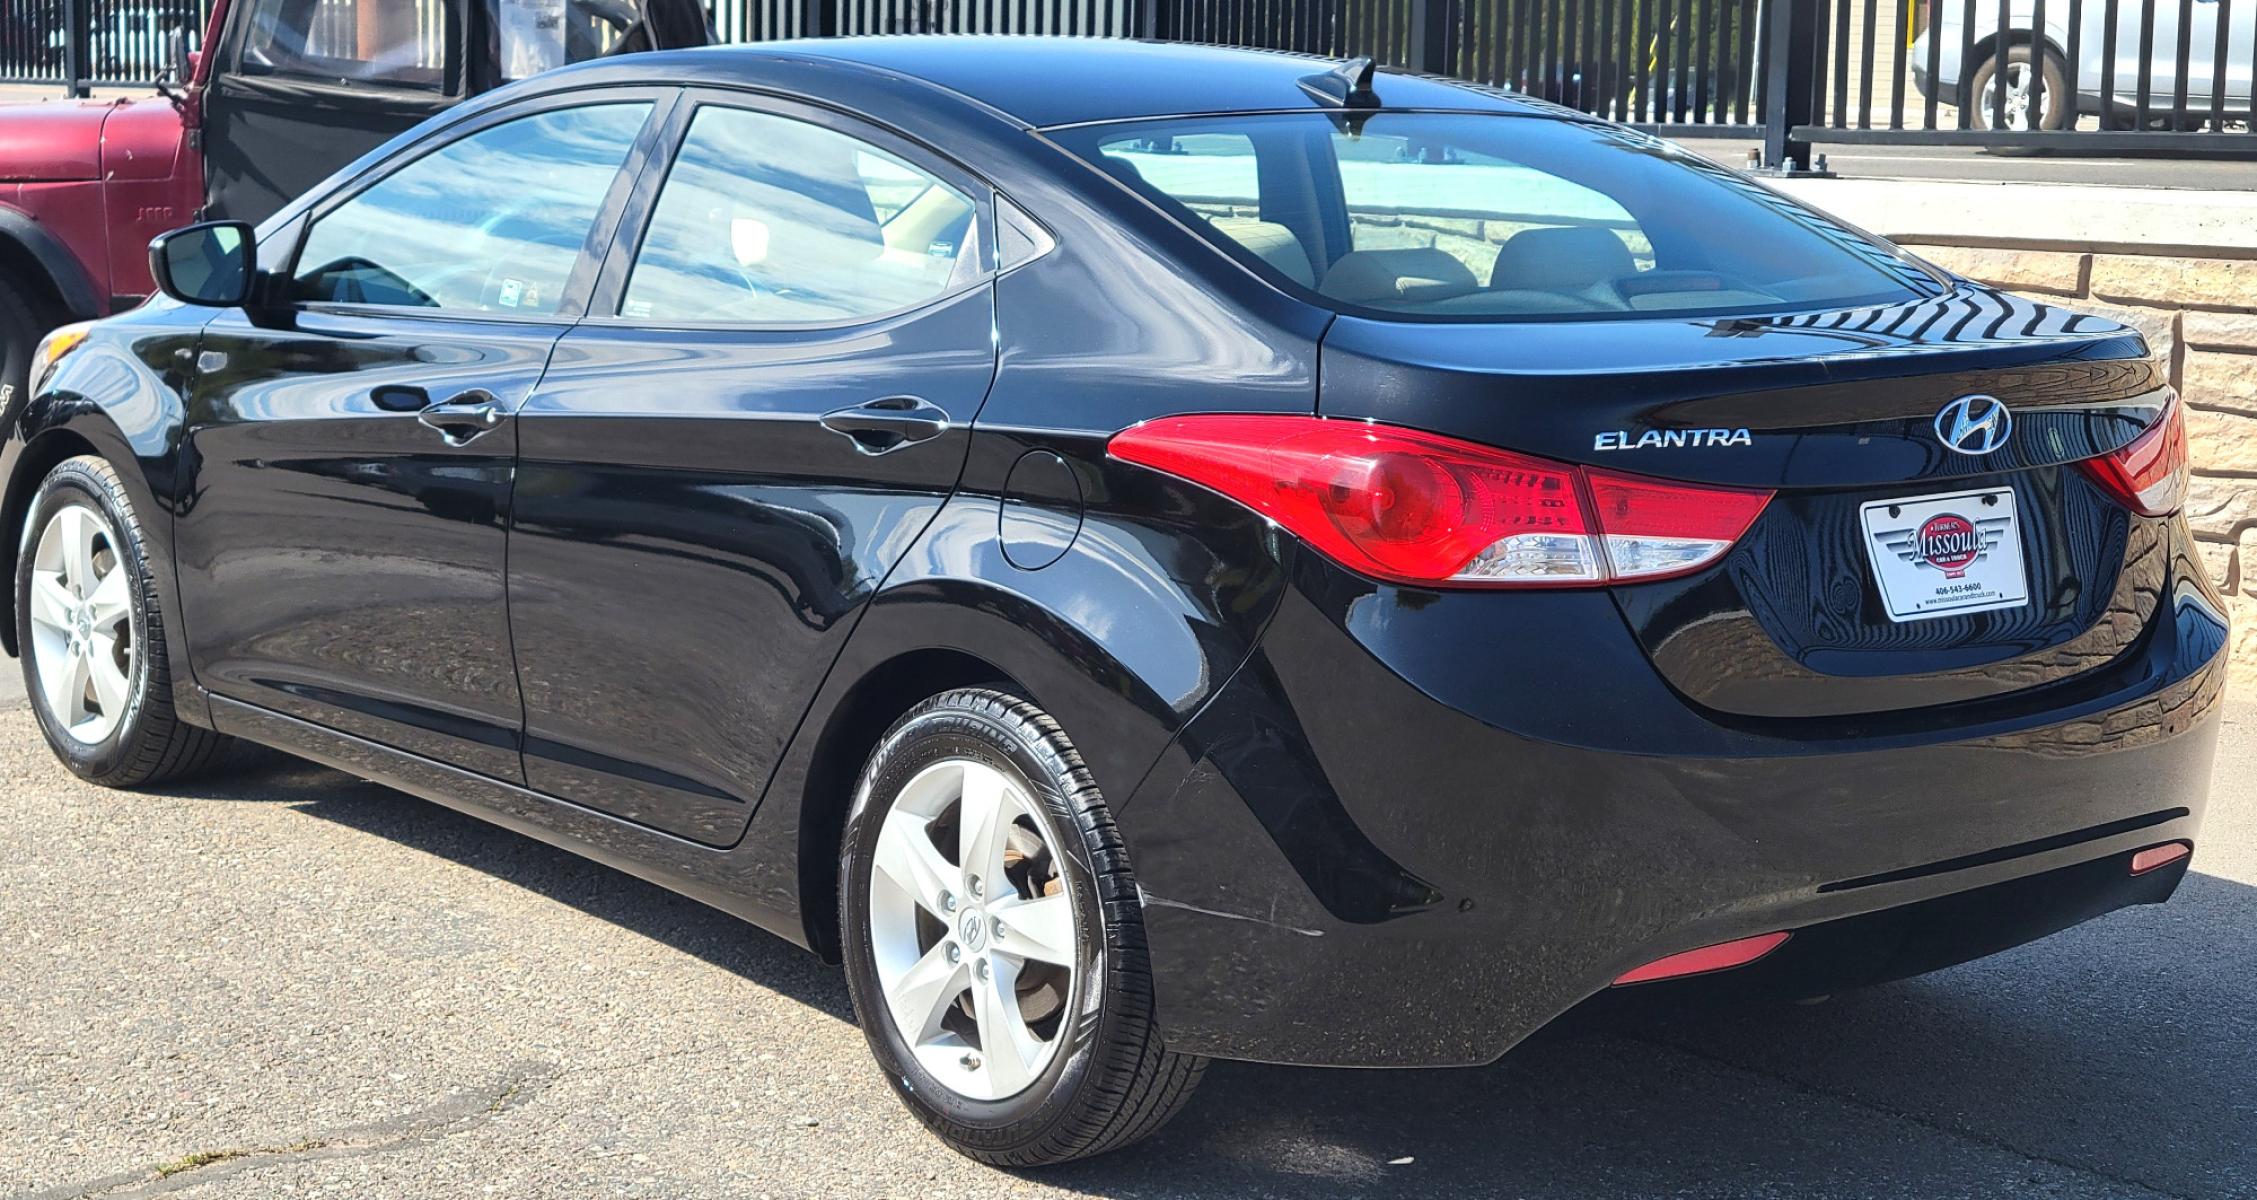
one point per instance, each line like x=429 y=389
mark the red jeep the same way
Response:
x=283 y=93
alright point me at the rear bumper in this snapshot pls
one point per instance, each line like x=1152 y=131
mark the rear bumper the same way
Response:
x=1414 y=829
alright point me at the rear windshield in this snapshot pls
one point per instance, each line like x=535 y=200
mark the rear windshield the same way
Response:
x=1463 y=216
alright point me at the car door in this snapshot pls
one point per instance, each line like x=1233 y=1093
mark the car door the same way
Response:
x=352 y=441
x=2147 y=36
x=2240 y=20
x=770 y=399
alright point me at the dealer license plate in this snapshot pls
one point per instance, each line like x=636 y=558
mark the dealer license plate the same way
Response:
x=1938 y=556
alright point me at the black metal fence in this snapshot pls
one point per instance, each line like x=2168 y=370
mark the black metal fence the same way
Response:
x=99 y=43
x=2090 y=75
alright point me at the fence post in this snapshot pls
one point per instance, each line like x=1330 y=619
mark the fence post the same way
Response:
x=1430 y=36
x=819 y=18
x=77 y=59
x=1791 y=79
x=1152 y=19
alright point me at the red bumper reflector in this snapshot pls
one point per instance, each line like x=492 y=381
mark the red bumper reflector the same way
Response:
x=2159 y=856
x=1720 y=957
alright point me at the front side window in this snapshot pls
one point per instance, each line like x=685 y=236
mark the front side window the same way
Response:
x=490 y=223
x=768 y=220
x=1462 y=216
x=389 y=43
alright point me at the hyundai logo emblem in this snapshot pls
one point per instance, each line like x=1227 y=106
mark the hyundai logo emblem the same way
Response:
x=1974 y=424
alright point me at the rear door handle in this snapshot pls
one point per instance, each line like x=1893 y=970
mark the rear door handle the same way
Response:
x=462 y=419
x=888 y=424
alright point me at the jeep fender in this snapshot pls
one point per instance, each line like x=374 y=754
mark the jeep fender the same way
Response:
x=60 y=272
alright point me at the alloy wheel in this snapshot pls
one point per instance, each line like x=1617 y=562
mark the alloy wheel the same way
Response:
x=84 y=641
x=972 y=929
x=2016 y=77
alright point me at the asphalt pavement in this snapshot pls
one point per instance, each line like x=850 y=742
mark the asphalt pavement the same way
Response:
x=288 y=982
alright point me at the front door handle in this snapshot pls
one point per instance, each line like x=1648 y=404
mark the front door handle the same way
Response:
x=462 y=419
x=886 y=425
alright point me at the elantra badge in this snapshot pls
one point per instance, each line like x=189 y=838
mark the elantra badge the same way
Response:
x=1974 y=424
x=1670 y=439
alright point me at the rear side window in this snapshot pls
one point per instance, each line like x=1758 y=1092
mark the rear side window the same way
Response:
x=1455 y=216
x=769 y=220
x=492 y=223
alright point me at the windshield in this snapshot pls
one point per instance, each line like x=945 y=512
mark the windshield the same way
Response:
x=1463 y=216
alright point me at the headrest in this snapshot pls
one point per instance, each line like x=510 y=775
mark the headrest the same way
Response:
x=1564 y=259
x=1393 y=276
x=1272 y=243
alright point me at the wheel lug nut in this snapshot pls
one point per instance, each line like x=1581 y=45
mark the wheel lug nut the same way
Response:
x=948 y=902
x=972 y=885
x=980 y=969
x=955 y=954
x=999 y=930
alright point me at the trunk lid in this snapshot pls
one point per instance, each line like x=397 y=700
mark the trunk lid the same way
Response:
x=1840 y=413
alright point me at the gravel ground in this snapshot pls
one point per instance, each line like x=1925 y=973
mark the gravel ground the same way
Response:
x=291 y=983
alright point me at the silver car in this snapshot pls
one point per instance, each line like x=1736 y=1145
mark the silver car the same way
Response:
x=1987 y=70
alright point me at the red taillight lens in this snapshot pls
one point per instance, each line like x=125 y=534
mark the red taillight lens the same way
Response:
x=1418 y=508
x=2148 y=476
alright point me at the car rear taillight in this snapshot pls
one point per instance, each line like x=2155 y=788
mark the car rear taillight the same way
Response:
x=2148 y=476
x=1417 y=508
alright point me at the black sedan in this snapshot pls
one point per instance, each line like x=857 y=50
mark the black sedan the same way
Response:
x=1144 y=553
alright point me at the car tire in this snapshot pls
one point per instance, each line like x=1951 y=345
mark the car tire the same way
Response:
x=128 y=734
x=1102 y=1077
x=2059 y=105
x=21 y=327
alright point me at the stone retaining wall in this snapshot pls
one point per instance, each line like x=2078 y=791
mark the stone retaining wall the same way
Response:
x=2200 y=314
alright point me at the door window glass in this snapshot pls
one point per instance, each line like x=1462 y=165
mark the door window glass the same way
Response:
x=768 y=220
x=491 y=223
x=395 y=43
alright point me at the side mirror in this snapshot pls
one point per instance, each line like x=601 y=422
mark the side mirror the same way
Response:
x=211 y=264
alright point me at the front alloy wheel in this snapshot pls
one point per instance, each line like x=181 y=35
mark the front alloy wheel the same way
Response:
x=83 y=643
x=90 y=626
x=994 y=939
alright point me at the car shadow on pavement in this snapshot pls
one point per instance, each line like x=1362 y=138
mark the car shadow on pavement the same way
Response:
x=2117 y=1058
x=599 y=891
